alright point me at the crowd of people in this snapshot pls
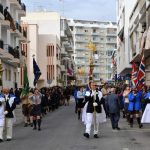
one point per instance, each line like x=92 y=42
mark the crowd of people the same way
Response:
x=35 y=105
x=94 y=101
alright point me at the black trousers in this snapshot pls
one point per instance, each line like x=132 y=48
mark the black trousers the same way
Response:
x=114 y=117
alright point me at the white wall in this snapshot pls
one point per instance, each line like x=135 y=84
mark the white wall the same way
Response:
x=48 y=22
x=123 y=20
x=33 y=50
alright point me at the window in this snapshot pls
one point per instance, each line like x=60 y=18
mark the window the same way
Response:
x=50 y=72
x=50 y=51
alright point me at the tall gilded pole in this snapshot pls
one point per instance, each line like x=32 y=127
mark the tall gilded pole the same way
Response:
x=92 y=47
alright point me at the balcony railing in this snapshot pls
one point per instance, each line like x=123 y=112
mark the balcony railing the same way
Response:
x=23 y=6
x=13 y=51
x=1 y=44
x=1 y=8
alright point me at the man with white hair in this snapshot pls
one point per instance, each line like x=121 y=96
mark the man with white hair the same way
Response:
x=113 y=108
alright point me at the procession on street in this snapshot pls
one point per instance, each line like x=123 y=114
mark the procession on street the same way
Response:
x=74 y=74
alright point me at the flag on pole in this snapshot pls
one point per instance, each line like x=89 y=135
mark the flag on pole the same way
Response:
x=134 y=74
x=37 y=72
x=141 y=74
x=25 y=90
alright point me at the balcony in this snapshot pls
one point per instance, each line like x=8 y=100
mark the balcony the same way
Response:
x=1 y=12
x=16 y=3
x=111 y=41
x=112 y=34
x=14 y=52
x=95 y=33
x=5 y=24
x=22 y=11
x=18 y=31
x=14 y=61
x=4 y=55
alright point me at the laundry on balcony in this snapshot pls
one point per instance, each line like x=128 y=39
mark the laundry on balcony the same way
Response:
x=8 y=16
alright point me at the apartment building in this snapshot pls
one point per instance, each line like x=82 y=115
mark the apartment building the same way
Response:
x=125 y=8
x=133 y=28
x=139 y=29
x=51 y=43
x=12 y=35
x=103 y=36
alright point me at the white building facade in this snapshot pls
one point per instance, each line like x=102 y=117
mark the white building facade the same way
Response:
x=11 y=36
x=133 y=18
x=103 y=36
x=45 y=36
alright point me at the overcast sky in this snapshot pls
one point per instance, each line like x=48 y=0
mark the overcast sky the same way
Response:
x=101 y=10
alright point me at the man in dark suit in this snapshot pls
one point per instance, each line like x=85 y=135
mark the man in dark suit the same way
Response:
x=113 y=108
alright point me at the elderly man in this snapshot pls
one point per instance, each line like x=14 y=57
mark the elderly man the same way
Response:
x=113 y=108
x=92 y=110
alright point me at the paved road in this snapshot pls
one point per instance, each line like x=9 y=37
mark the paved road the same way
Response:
x=62 y=131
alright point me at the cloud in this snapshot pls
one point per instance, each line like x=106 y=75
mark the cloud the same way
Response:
x=103 y=10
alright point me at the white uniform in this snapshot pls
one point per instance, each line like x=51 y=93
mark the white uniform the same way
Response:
x=88 y=118
x=2 y=117
x=9 y=120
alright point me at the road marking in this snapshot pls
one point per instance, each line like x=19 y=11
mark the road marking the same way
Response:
x=125 y=149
